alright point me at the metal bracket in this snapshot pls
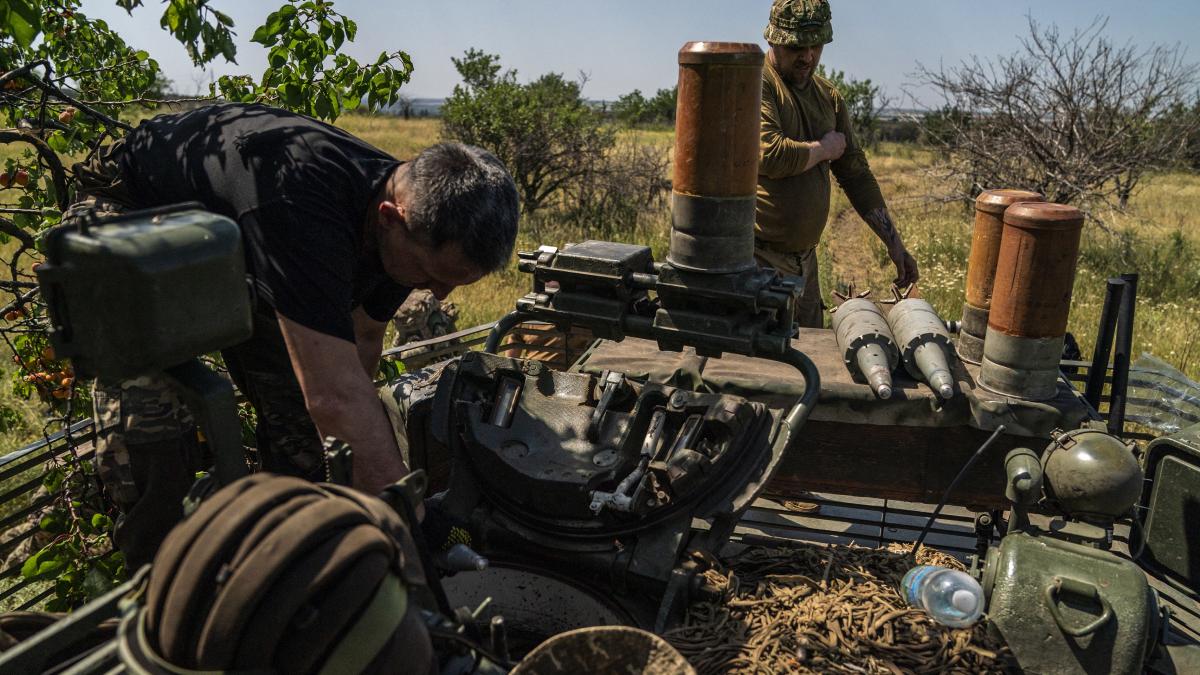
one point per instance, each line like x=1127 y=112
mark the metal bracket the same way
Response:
x=611 y=383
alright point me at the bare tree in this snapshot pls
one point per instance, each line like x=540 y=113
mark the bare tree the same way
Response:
x=404 y=105
x=1076 y=117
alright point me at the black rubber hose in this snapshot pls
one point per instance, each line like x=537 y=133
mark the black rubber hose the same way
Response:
x=505 y=324
x=798 y=414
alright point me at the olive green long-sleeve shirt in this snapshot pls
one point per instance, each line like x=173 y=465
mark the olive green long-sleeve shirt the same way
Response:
x=793 y=204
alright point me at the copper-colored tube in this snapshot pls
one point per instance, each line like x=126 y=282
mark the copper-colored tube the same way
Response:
x=1035 y=271
x=716 y=157
x=718 y=119
x=985 y=241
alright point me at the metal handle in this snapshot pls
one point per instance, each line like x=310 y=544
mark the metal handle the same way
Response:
x=1081 y=590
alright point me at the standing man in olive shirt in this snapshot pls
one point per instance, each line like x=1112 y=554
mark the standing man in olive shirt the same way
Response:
x=806 y=135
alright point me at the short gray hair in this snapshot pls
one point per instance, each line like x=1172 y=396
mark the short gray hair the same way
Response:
x=462 y=193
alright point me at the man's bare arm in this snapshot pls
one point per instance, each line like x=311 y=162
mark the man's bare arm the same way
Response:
x=368 y=336
x=343 y=403
x=881 y=223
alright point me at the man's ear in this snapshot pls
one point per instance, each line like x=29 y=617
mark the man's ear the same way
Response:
x=391 y=214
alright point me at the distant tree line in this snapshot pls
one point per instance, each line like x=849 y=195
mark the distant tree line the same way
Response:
x=634 y=109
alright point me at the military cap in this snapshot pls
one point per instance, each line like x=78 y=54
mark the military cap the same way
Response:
x=799 y=23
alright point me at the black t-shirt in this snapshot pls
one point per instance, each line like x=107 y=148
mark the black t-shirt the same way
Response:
x=298 y=188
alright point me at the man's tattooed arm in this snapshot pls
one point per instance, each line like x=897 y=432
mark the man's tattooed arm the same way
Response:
x=881 y=223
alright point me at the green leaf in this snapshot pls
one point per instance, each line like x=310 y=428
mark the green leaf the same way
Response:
x=227 y=48
x=22 y=19
x=277 y=56
x=141 y=55
x=53 y=480
x=275 y=24
x=223 y=18
x=58 y=142
x=290 y=93
x=321 y=107
x=53 y=522
x=171 y=18
x=45 y=564
x=351 y=28
x=101 y=522
x=97 y=583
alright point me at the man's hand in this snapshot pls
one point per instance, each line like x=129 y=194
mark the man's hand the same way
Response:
x=829 y=149
x=344 y=404
x=906 y=267
x=832 y=145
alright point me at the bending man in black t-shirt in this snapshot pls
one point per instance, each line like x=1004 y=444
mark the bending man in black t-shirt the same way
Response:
x=336 y=233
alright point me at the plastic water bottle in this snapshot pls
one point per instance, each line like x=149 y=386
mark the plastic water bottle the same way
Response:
x=951 y=597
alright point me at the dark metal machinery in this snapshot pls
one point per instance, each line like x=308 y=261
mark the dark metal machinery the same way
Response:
x=604 y=476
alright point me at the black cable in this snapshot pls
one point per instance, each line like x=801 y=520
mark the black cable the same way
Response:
x=454 y=636
x=954 y=483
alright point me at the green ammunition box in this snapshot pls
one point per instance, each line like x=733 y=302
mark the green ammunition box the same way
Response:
x=145 y=291
x=1067 y=608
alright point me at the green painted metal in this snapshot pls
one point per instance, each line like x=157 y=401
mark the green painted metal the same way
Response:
x=1172 y=521
x=1091 y=475
x=1067 y=608
x=145 y=291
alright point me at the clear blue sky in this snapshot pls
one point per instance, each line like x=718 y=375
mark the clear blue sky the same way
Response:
x=624 y=44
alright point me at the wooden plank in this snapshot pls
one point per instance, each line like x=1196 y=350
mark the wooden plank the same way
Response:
x=897 y=462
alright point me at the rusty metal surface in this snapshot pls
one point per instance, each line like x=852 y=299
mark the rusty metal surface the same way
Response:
x=718 y=119
x=1035 y=272
x=842 y=399
x=906 y=447
x=716 y=156
x=985 y=242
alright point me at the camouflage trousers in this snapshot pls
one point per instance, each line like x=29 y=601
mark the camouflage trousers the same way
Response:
x=809 y=310
x=147 y=448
